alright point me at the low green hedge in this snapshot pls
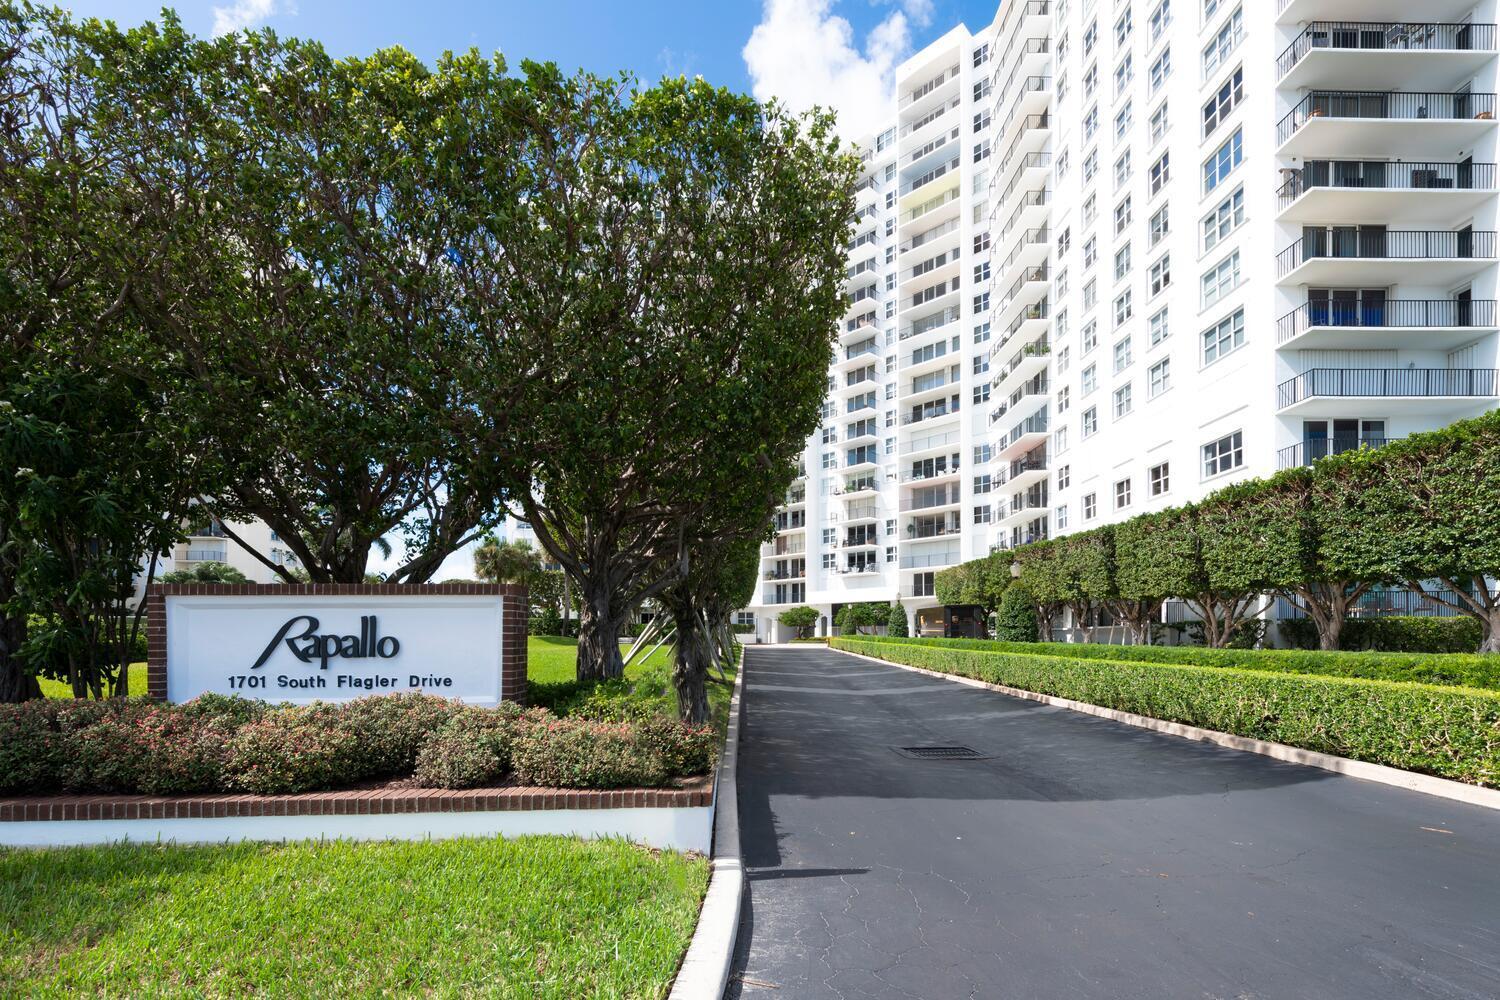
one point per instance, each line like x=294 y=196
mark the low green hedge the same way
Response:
x=1396 y=634
x=1450 y=732
x=1464 y=669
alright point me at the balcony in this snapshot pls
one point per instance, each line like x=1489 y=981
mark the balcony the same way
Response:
x=929 y=442
x=207 y=554
x=1309 y=451
x=1438 y=324
x=1376 y=53
x=1302 y=11
x=867 y=512
x=930 y=560
x=1024 y=436
x=930 y=413
x=783 y=574
x=1326 y=120
x=1362 y=256
x=1024 y=471
x=1322 y=392
x=1022 y=507
x=916 y=532
x=1331 y=191
x=1030 y=360
x=932 y=498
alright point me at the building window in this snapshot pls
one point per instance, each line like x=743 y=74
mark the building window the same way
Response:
x=1122 y=494
x=1063 y=400
x=1122 y=262
x=981 y=393
x=1090 y=506
x=1090 y=295
x=1159 y=329
x=1123 y=355
x=982 y=241
x=1161 y=478
x=1064 y=356
x=1124 y=73
x=1161 y=274
x=981 y=55
x=1090 y=209
x=1123 y=308
x=1060 y=440
x=1226 y=217
x=1161 y=68
x=830 y=535
x=1223 y=455
x=1220 y=165
x=982 y=335
x=1160 y=225
x=1159 y=378
x=1090 y=251
x=1161 y=16
x=1225 y=100
x=1159 y=174
x=1064 y=476
x=1123 y=401
x=1225 y=41
x=1122 y=170
x=1090 y=122
x=890 y=553
x=981 y=454
x=1224 y=337
x=1159 y=123
x=983 y=515
x=1123 y=120
x=1123 y=27
x=1122 y=215
x=1221 y=279
x=921 y=584
x=982 y=484
x=1090 y=423
x=1087 y=381
x=1060 y=515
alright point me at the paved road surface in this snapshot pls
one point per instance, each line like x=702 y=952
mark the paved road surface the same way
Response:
x=1084 y=859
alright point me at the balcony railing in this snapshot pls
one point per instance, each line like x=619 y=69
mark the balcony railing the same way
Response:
x=1391 y=313
x=1021 y=466
x=1387 y=244
x=937 y=497
x=1394 y=36
x=933 y=559
x=1388 y=105
x=1409 y=382
x=1309 y=451
x=1386 y=175
x=206 y=555
x=930 y=441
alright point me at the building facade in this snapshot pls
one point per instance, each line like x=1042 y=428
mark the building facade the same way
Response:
x=1115 y=254
x=208 y=542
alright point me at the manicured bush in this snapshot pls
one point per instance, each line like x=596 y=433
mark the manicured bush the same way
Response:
x=230 y=707
x=1453 y=733
x=1396 y=634
x=685 y=750
x=473 y=749
x=150 y=749
x=802 y=618
x=297 y=749
x=577 y=753
x=1468 y=670
x=1016 y=619
x=390 y=729
x=895 y=623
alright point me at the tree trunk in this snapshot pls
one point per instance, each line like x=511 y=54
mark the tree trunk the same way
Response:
x=16 y=685
x=690 y=671
x=599 y=626
x=1491 y=622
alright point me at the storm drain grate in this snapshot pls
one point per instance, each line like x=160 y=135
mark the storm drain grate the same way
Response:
x=940 y=753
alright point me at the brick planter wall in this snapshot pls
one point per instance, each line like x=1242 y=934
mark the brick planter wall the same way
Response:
x=514 y=612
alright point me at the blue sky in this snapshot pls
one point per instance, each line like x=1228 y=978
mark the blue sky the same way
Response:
x=806 y=52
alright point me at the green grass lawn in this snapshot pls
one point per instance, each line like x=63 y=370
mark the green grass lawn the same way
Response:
x=531 y=917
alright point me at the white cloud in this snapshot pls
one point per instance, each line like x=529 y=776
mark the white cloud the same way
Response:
x=804 y=54
x=245 y=14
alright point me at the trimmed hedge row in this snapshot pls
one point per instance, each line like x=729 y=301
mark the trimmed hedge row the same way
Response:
x=1395 y=634
x=219 y=744
x=1474 y=670
x=1433 y=730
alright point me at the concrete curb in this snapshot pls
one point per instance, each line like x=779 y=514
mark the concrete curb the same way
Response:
x=705 y=969
x=1488 y=798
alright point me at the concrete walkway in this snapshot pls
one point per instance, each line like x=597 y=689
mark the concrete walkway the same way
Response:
x=1084 y=858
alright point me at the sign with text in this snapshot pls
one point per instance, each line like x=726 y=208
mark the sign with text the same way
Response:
x=334 y=647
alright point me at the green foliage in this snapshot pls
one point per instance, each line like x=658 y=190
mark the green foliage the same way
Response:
x=206 y=572
x=895 y=623
x=1395 y=634
x=1015 y=621
x=1467 y=670
x=544 y=622
x=1449 y=732
x=802 y=618
x=863 y=615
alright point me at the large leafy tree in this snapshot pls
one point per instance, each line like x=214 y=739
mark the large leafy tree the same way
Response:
x=980 y=582
x=98 y=475
x=673 y=272
x=1434 y=506
x=302 y=269
x=1041 y=577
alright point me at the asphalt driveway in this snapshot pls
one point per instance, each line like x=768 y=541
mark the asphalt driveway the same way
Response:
x=1081 y=858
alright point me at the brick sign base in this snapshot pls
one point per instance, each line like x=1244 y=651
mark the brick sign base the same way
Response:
x=514 y=611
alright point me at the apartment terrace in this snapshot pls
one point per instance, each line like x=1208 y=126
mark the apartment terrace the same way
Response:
x=1445 y=391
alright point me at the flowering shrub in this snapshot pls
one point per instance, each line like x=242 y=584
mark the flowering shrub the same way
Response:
x=578 y=753
x=293 y=750
x=217 y=743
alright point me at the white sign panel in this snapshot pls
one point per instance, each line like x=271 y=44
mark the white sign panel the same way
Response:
x=333 y=648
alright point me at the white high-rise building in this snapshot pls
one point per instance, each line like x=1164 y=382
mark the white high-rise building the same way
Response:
x=1115 y=254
